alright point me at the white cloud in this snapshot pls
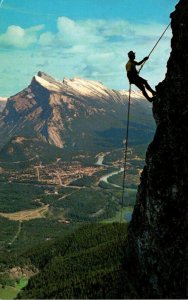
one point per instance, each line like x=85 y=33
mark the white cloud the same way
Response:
x=71 y=33
x=94 y=49
x=35 y=29
x=46 y=39
x=18 y=37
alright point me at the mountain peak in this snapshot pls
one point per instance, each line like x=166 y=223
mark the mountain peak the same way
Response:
x=81 y=87
x=49 y=85
x=76 y=86
x=90 y=88
x=47 y=82
x=45 y=76
x=53 y=111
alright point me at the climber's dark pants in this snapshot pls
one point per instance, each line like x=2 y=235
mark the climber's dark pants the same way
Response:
x=142 y=84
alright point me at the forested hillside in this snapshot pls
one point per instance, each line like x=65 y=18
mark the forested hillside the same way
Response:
x=87 y=264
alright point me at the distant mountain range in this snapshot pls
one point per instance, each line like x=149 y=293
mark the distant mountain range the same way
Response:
x=73 y=115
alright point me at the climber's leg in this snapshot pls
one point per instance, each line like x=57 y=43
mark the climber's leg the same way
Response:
x=142 y=88
x=148 y=87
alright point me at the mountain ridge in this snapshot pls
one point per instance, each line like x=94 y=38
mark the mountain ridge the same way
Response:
x=65 y=113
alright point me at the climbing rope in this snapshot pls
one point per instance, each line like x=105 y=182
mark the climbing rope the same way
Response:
x=1 y=3
x=155 y=46
x=127 y=128
x=125 y=152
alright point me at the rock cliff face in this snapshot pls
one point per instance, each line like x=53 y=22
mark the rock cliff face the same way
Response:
x=157 y=234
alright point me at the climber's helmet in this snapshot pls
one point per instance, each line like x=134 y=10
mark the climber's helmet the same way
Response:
x=131 y=54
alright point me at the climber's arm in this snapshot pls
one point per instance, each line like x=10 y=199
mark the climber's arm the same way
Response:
x=138 y=63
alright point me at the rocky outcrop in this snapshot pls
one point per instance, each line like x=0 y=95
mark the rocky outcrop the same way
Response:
x=156 y=251
x=20 y=272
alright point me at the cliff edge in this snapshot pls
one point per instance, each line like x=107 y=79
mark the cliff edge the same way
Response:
x=156 y=248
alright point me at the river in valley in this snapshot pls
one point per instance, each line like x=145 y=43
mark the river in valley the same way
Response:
x=127 y=211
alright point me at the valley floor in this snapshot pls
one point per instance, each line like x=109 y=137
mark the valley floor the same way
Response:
x=41 y=203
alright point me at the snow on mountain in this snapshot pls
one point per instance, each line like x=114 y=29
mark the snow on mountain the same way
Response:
x=3 y=101
x=134 y=94
x=51 y=86
x=86 y=87
x=83 y=88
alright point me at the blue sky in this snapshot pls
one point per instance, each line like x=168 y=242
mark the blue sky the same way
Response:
x=81 y=38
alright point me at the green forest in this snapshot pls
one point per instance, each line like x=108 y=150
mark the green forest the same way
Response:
x=88 y=263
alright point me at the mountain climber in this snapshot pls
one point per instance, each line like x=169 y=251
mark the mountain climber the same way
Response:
x=134 y=78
